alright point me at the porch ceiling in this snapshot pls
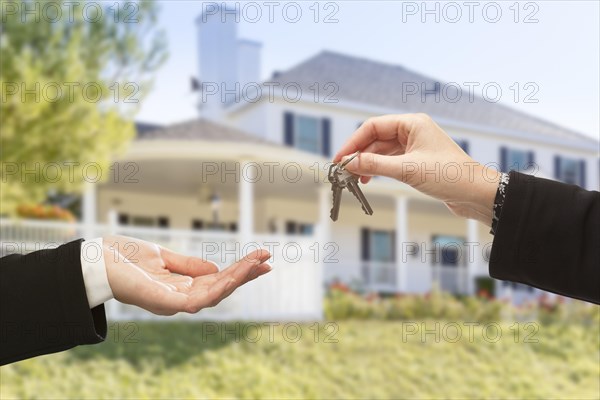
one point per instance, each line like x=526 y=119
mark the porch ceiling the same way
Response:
x=185 y=167
x=198 y=178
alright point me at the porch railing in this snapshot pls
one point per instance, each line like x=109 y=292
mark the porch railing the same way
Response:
x=292 y=291
x=382 y=277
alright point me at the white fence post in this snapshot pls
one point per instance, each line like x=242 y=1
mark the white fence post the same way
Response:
x=401 y=239
x=88 y=211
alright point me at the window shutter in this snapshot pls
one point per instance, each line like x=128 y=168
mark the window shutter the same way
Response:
x=557 y=167
x=503 y=159
x=530 y=160
x=582 y=173
x=326 y=137
x=364 y=244
x=288 y=124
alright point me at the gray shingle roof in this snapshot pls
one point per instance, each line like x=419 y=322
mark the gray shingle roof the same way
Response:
x=200 y=129
x=369 y=82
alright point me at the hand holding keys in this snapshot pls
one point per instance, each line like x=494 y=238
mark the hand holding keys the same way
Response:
x=340 y=179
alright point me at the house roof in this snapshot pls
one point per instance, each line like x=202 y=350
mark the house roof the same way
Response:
x=199 y=129
x=374 y=83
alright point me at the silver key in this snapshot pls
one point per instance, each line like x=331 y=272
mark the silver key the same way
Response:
x=340 y=179
x=337 y=192
x=353 y=187
x=337 y=201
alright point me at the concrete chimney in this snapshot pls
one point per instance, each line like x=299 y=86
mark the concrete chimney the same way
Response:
x=226 y=63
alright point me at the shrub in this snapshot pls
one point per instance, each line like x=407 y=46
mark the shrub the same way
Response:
x=48 y=212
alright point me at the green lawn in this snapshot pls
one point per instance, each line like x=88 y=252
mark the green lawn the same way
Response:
x=371 y=359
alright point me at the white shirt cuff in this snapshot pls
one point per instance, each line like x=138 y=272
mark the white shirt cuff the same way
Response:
x=93 y=269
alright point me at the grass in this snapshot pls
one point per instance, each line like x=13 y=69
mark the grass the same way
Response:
x=349 y=359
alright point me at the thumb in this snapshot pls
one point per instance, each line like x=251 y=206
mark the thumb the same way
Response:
x=370 y=164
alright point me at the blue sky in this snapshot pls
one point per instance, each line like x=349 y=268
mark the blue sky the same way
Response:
x=560 y=52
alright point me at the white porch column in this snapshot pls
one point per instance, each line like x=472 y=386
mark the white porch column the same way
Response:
x=323 y=237
x=325 y=202
x=246 y=205
x=401 y=238
x=88 y=211
x=474 y=254
x=247 y=294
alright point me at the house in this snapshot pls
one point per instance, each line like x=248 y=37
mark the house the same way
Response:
x=292 y=123
x=251 y=171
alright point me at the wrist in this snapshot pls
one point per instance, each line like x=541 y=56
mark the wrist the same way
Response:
x=474 y=198
x=486 y=186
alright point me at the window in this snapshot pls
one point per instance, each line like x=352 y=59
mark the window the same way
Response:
x=296 y=228
x=381 y=246
x=569 y=170
x=308 y=133
x=514 y=159
x=123 y=219
x=197 y=224
x=162 y=222
x=200 y=225
x=449 y=250
x=377 y=245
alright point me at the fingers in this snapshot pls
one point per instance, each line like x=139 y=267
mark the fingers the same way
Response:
x=242 y=267
x=369 y=164
x=258 y=271
x=186 y=265
x=383 y=128
x=385 y=147
x=248 y=268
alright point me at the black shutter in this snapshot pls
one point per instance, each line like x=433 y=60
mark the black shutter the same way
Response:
x=364 y=244
x=557 y=167
x=326 y=137
x=582 y=173
x=288 y=124
x=503 y=159
x=530 y=160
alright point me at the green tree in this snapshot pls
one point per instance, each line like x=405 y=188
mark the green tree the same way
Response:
x=72 y=76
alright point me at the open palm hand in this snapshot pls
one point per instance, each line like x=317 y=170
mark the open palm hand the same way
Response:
x=164 y=282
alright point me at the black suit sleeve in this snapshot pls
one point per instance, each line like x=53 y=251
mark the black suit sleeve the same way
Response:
x=548 y=236
x=43 y=304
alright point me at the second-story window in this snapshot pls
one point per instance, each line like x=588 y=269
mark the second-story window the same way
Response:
x=569 y=170
x=515 y=159
x=308 y=133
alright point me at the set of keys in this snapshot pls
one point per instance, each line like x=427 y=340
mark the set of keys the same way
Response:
x=340 y=179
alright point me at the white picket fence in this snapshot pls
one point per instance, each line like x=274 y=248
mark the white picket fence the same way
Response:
x=292 y=291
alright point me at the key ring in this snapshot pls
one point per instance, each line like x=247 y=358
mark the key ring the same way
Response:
x=343 y=165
